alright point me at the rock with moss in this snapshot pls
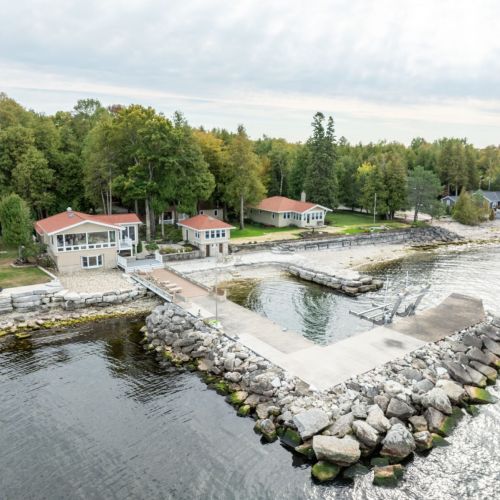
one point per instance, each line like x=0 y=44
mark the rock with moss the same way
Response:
x=244 y=410
x=439 y=441
x=379 y=461
x=355 y=471
x=389 y=475
x=267 y=428
x=398 y=443
x=325 y=471
x=489 y=372
x=477 y=395
x=423 y=440
x=290 y=438
x=344 y=451
x=442 y=424
x=237 y=398
x=306 y=450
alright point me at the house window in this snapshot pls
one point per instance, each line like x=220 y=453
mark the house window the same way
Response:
x=212 y=234
x=98 y=237
x=218 y=233
x=75 y=240
x=273 y=215
x=92 y=261
x=112 y=237
x=207 y=235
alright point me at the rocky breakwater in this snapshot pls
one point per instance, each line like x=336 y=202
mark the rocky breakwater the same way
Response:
x=369 y=424
x=353 y=285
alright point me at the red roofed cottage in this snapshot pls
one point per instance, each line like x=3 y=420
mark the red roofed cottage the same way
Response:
x=279 y=211
x=209 y=234
x=76 y=240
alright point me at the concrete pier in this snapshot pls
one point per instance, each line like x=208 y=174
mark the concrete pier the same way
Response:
x=325 y=366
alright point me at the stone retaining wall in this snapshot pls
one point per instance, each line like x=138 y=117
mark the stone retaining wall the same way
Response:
x=178 y=256
x=413 y=236
x=52 y=295
x=350 y=287
x=380 y=418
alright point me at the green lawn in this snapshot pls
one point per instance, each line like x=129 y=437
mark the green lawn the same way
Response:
x=253 y=230
x=355 y=222
x=17 y=276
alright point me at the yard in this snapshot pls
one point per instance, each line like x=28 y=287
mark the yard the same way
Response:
x=254 y=230
x=17 y=276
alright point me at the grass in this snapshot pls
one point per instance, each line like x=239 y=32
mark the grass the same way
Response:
x=17 y=276
x=355 y=222
x=253 y=230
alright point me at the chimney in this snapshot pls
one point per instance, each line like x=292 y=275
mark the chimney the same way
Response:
x=70 y=213
x=303 y=196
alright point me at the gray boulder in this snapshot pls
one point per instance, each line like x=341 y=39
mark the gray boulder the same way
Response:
x=311 y=422
x=399 y=409
x=382 y=401
x=342 y=426
x=454 y=391
x=438 y=399
x=365 y=433
x=491 y=345
x=418 y=423
x=435 y=420
x=473 y=341
x=398 y=443
x=423 y=440
x=393 y=388
x=476 y=354
x=377 y=419
x=424 y=385
x=340 y=451
x=359 y=410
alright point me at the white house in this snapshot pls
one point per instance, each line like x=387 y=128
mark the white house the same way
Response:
x=280 y=211
x=76 y=240
x=209 y=234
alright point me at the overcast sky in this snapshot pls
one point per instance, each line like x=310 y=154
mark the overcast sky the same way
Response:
x=385 y=69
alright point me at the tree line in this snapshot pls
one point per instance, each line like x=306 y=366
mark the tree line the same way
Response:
x=93 y=157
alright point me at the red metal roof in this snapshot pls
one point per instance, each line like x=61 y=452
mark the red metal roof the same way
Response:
x=65 y=220
x=283 y=204
x=201 y=222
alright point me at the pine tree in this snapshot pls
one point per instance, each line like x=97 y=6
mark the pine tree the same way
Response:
x=15 y=220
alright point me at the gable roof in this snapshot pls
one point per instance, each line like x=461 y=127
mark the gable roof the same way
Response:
x=283 y=204
x=493 y=196
x=451 y=197
x=71 y=218
x=201 y=222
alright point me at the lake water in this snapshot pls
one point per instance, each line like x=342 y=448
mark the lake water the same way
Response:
x=322 y=315
x=88 y=415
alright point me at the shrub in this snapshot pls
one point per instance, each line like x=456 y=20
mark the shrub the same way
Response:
x=466 y=211
x=139 y=247
x=151 y=246
x=167 y=250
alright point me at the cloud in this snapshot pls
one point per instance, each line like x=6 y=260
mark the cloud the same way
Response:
x=425 y=65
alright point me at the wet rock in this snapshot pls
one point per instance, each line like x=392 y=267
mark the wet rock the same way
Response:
x=439 y=441
x=324 y=471
x=306 y=450
x=253 y=401
x=355 y=471
x=423 y=440
x=267 y=428
x=262 y=410
x=340 y=451
x=399 y=409
x=365 y=433
x=290 y=438
x=382 y=401
x=398 y=443
x=454 y=391
x=439 y=423
x=438 y=399
x=418 y=423
x=388 y=476
x=377 y=419
x=477 y=395
x=237 y=398
x=311 y=422
x=342 y=426
x=244 y=410
x=489 y=372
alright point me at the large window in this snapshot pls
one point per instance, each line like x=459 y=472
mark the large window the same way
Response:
x=96 y=238
x=82 y=241
x=92 y=261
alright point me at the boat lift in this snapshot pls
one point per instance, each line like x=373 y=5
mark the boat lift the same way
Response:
x=383 y=314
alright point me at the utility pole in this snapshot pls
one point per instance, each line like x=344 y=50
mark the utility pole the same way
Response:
x=374 y=207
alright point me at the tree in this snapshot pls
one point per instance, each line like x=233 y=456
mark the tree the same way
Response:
x=15 y=220
x=33 y=179
x=320 y=182
x=243 y=183
x=280 y=161
x=465 y=210
x=423 y=189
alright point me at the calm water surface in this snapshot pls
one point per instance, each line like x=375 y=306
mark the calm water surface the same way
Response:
x=322 y=315
x=87 y=415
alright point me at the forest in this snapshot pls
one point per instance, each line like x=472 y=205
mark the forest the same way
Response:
x=93 y=158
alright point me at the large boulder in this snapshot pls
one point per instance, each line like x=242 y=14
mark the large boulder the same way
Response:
x=340 y=451
x=324 y=471
x=311 y=422
x=418 y=423
x=399 y=409
x=423 y=440
x=438 y=399
x=454 y=391
x=491 y=345
x=398 y=443
x=477 y=395
x=487 y=358
x=365 y=433
x=342 y=426
x=377 y=419
x=460 y=373
x=388 y=475
x=489 y=372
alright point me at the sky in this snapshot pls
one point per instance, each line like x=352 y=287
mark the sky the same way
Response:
x=385 y=69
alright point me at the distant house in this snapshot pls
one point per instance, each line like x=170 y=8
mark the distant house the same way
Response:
x=449 y=200
x=171 y=216
x=492 y=197
x=209 y=209
x=209 y=234
x=280 y=211
x=76 y=240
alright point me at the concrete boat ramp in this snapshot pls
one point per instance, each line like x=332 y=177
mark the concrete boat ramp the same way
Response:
x=323 y=367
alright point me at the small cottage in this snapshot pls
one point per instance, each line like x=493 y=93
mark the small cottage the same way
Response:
x=209 y=234
x=76 y=240
x=280 y=211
